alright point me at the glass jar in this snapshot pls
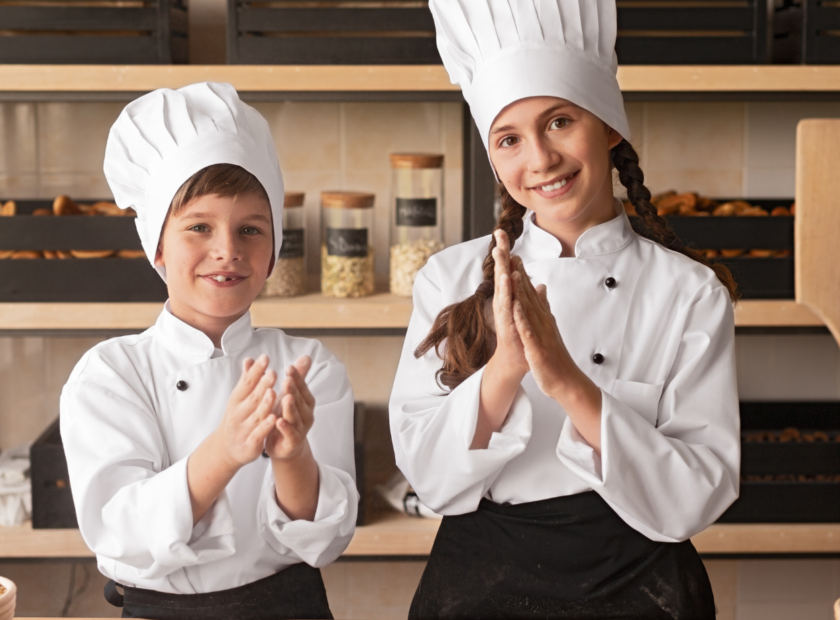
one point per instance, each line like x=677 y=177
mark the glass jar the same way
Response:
x=416 y=216
x=289 y=276
x=347 y=268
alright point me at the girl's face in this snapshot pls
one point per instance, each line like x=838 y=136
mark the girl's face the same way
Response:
x=217 y=253
x=553 y=157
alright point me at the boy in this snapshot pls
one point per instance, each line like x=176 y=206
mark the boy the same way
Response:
x=206 y=486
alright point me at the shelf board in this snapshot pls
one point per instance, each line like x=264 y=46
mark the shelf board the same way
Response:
x=397 y=78
x=313 y=312
x=399 y=535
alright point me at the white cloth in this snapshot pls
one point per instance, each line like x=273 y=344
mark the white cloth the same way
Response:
x=500 y=51
x=15 y=486
x=163 y=138
x=670 y=447
x=128 y=432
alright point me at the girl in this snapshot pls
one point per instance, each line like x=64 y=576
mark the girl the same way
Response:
x=578 y=432
x=164 y=431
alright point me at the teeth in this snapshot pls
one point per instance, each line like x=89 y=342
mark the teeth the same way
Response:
x=219 y=278
x=553 y=186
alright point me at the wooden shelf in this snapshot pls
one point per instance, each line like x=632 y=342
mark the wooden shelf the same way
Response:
x=314 y=311
x=398 y=535
x=386 y=78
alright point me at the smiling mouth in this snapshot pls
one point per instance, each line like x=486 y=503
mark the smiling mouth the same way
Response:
x=221 y=279
x=556 y=185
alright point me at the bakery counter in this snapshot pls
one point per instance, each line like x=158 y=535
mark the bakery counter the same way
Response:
x=398 y=536
x=381 y=311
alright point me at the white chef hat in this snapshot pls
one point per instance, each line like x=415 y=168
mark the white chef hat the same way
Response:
x=163 y=138
x=501 y=51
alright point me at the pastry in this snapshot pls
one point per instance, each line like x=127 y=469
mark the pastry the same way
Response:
x=92 y=253
x=105 y=208
x=731 y=253
x=50 y=254
x=131 y=254
x=780 y=211
x=63 y=254
x=756 y=253
x=677 y=203
x=782 y=253
x=25 y=254
x=64 y=205
x=8 y=209
x=6 y=253
x=42 y=212
x=660 y=197
x=725 y=210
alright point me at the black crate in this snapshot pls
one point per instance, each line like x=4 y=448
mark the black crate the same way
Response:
x=762 y=278
x=786 y=501
x=674 y=32
x=52 y=501
x=821 y=32
x=94 y=32
x=74 y=280
x=311 y=32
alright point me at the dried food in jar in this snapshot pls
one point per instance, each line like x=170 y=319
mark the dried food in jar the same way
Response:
x=406 y=260
x=288 y=278
x=346 y=276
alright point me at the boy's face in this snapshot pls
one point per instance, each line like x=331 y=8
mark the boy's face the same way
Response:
x=217 y=253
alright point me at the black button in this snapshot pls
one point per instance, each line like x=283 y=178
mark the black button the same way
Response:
x=598 y=358
x=610 y=282
x=181 y=385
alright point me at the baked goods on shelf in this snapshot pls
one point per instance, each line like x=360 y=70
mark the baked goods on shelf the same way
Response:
x=691 y=204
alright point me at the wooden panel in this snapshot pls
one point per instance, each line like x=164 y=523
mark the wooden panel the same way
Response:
x=420 y=78
x=395 y=534
x=818 y=220
x=781 y=313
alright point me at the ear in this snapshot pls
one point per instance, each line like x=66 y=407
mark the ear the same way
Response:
x=159 y=256
x=613 y=138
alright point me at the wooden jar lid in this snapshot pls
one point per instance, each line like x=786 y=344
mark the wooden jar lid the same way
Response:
x=293 y=199
x=416 y=160
x=346 y=200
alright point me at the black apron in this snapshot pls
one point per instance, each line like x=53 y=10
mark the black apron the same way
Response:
x=567 y=557
x=295 y=592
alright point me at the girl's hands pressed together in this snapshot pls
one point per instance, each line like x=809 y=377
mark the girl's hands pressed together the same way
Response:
x=509 y=351
x=295 y=413
x=554 y=370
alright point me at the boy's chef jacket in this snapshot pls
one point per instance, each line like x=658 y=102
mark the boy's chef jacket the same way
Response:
x=654 y=331
x=134 y=410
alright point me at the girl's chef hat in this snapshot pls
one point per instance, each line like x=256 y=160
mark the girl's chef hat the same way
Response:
x=500 y=51
x=163 y=138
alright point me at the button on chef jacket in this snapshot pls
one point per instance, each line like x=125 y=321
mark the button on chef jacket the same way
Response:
x=664 y=331
x=128 y=431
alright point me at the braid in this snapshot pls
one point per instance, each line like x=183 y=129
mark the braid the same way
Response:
x=626 y=162
x=463 y=327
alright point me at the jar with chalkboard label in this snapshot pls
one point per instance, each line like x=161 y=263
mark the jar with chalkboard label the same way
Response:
x=347 y=268
x=289 y=276
x=416 y=216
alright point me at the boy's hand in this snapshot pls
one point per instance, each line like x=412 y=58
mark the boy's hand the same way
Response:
x=295 y=413
x=250 y=415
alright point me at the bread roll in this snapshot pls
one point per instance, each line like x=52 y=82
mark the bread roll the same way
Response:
x=92 y=253
x=42 y=212
x=6 y=253
x=64 y=205
x=731 y=253
x=727 y=209
x=25 y=254
x=105 y=208
x=780 y=211
x=8 y=209
x=50 y=254
x=131 y=254
x=758 y=253
x=64 y=254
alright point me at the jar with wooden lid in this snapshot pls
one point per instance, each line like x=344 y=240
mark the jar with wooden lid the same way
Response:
x=416 y=216
x=347 y=268
x=289 y=276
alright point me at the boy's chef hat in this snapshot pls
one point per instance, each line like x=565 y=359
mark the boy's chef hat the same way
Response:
x=163 y=138
x=500 y=51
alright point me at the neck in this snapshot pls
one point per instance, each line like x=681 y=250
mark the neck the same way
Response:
x=211 y=326
x=601 y=210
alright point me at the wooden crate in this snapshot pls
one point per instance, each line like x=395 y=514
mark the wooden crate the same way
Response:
x=692 y=32
x=313 y=32
x=74 y=280
x=94 y=32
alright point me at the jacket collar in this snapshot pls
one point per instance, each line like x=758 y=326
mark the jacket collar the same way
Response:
x=183 y=339
x=536 y=244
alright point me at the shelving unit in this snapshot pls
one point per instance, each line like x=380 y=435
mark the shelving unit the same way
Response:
x=396 y=535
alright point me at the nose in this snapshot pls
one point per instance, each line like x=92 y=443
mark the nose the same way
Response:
x=226 y=246
x=542 y=156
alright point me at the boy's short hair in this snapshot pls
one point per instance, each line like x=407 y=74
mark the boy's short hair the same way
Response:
x=225 y=180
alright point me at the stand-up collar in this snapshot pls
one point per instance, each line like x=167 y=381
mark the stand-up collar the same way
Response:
x=183 y=339
x=537 y=244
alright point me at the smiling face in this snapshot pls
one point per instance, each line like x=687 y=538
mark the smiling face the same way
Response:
x=217 y=253
x=553 y=157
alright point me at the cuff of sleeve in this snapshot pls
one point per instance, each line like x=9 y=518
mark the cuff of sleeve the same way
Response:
x=335 y=517
x=515 y=432
x=576 y=453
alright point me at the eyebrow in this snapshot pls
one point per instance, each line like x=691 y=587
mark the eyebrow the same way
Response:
x=547 y=112
x=201 y=215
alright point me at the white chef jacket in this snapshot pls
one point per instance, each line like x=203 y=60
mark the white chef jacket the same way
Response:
x=670 y=448
x=128 y=432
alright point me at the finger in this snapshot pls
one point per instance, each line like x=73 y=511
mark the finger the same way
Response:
x=542 y=291
x=290 y=411
x=523 y=325
x=252 y=371
x=303 y=407
x=263 y=408
x=266 y=383
x=301 y=386
x=303 y=364
x=262 y=430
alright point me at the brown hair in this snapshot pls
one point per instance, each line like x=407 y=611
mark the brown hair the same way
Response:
x=225 y=180
x=463 y=330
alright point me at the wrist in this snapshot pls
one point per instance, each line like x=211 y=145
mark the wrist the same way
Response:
x=227 y=461
x=500 y=370
x=577 y=392
x=300 y=455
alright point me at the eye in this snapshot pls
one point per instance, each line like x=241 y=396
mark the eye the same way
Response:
x=251 y=231
x=559 y=123
x=199 y=228
x=507 y=142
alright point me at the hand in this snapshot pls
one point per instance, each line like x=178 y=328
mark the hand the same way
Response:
x=295 y=413
x=509 y=354
x=547 y=356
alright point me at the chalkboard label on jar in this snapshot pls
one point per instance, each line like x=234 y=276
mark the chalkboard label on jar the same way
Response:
x=349 y=242
x=292 y=243
x=416 y=211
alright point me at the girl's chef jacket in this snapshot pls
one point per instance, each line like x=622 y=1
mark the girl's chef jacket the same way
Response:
x=134 y=410
x=653 y=329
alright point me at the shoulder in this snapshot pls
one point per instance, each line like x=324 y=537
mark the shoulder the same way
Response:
x=289 y=348
x=456 y=271
x=114 y=358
